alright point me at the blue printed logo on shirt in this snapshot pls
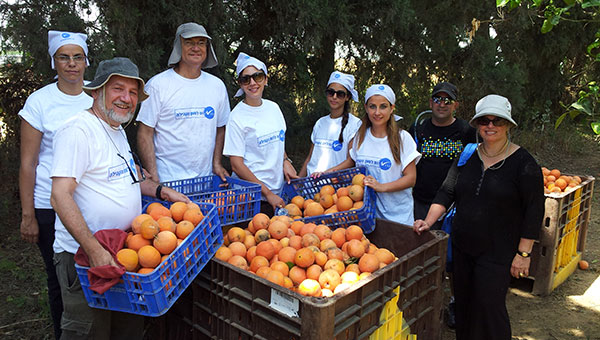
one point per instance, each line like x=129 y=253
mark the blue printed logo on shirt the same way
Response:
x=270 y=138
x=385 y=164
x=117 y=172
x=281 y=135
x=336 y=145
x=209 y=112
x=194 y=112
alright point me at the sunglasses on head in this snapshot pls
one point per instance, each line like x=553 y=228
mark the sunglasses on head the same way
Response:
x=339 y=94
x=258 y=77
x=438 y=100
x=483 y=121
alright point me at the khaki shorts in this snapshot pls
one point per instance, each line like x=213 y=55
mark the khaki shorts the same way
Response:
x=79 y=321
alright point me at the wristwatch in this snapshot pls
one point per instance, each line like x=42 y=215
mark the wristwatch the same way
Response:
x=288 y=159
x=523 y=254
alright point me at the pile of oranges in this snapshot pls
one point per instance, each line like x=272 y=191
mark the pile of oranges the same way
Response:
x=308 y=258
x=156 y=234
x=555 y=182
x=328 y=200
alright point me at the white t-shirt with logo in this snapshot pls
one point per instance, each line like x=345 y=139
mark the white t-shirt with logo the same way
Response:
x=375 y=154
x=185 y=114
x=46 y=110
x=328 y=151
x=87 y=149
x=257 y=133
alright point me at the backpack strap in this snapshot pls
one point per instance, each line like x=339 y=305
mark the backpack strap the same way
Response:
x=466 y=153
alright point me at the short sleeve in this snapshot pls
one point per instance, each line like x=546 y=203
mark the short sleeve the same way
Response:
x=313 y=134
x=224 y=107
x=234 y=140
x=31 y=113
x=352 y=147
x=150 y=108
x=409 y=151
x=71 y=153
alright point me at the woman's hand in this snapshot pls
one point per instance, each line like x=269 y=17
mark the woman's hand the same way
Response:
x=371 y=182
x=420 y=226
x=30 y=229
x=520 y=266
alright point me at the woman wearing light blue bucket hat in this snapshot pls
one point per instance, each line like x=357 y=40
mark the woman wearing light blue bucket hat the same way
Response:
x=389 y=153
x=331 y=134
x=255 y=135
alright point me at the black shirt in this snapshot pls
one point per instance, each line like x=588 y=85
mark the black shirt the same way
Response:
x=494 y=208
x=439 y=146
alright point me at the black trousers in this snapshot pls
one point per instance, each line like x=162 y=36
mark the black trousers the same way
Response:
x=480 y=288
x=45 y=219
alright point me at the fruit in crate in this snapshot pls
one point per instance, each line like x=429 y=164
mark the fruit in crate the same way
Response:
x=557 y=182
x=312 y=259
x=157 y=233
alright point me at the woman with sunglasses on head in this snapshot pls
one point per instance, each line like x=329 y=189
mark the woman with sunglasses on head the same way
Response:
x=44 y=112
x=388 y=152
x=255 y=135
x=332 y=133
x=499 y=199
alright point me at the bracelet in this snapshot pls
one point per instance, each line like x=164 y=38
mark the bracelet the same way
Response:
x=288 y=159
x=158 y=191
x=523 y=254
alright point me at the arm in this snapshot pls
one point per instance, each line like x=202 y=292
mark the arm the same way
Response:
x=304 y=171
x=408 y=180
x=238 y=166
x=289 y=172
x=434 y=213
x=30 y=149
x=63 y=203
x=149 y=188
x=145 y=144
x=520 y=264
x=218 y=168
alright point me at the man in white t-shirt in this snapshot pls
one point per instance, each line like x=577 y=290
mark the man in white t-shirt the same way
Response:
x=183 y=123
x=95 y=186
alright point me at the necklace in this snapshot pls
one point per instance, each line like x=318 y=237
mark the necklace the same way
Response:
x=107 y=135
x=505 y=147
x=492 y=167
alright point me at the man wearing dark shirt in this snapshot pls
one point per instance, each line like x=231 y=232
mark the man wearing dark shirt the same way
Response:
x=440 y=139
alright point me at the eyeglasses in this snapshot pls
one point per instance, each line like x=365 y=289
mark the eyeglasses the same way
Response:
x=339 y=94
x=137 y=162
x=483 y=121
x=258 y=77
x=191 y=43
x=65 y=59
x=438 y=100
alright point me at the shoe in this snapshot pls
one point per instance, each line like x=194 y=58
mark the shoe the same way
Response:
x=450 y=314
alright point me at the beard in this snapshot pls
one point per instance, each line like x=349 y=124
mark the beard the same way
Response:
x=112 y=115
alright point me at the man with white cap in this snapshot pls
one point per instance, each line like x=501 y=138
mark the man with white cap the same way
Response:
x=332 y=133
x=96 y=185
x=44 y=111
x=183 y=123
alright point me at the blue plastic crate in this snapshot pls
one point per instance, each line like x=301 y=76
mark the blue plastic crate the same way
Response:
x=307 y=187
x=154 y=293
x=236 y=200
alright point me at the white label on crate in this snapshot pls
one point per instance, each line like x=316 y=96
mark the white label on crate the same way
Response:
x=284 y=303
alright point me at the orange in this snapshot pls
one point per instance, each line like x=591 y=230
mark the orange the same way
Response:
x=251 y=253
x=583 y=265
x=321 y=258
x=261 y=235
x=298 y=201
x=193 y=205
x=151 y=207
x=223 y=253
x=281 y=267
x=304 y=257
x=350 y=277
x=341 y=192
x=236 y=234
x=166 y=224
x=276 y=277
x=326 y=201
x=561 y=183
x=336 y=265
x=310 y=239
x=238 y=248
x=165 y=242
x=313 y=272
x=307 y=228
x=249 y=241
x=265 y=249
x=177 y=210
x=357 y=205
x=149 y=257
x=310 y=287
x=128 y=258
x=260 y=221
x=159 y=211
x=277 y=230
x=149 y=228
x=322 y=231
x=327 y=244
x=354 y=232
x=137 y=241
x=335 y=253
x=353 y=267
x=368 y=263
x=184 y=228
x=287 y=254
x=195 y=216
x=257 y=262
x=358 y=179
x=263 y=271
x=287 y=282
x=145 y=271
x=339 y=236
x=296 y=242
x=329 y=279
x=555 y=173
x=307 y=202
x=356 y=193
x=293 y=209
x=344 y=203
x=384 y=255
x=238 y=261
x=276 y=245
x=137 y=222
x=314 y=209
x=355 y=248
x=296 y=226
x=297 y=275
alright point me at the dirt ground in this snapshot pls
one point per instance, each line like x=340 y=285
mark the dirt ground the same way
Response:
x=572 y=311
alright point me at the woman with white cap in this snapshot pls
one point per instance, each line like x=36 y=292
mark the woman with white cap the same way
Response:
x=255 y=135
x=332 y=133
x=499 y=201
x=389 y=153
x=44 y=112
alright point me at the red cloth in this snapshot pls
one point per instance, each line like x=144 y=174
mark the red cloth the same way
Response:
x=103 y=277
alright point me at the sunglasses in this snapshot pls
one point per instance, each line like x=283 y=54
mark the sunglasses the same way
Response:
x=438 y=100
x=483 y=121
x=258 y=77
x=339 y=94
x=137 y=162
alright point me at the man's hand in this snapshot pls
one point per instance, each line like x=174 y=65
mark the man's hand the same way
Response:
x=289 y=172
x=101 y=257
x=275 y=201
x=220 y=171
x=171 y=195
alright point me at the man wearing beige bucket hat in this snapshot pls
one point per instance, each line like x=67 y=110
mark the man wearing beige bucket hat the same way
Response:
x=97 y=185
x=182 y=126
